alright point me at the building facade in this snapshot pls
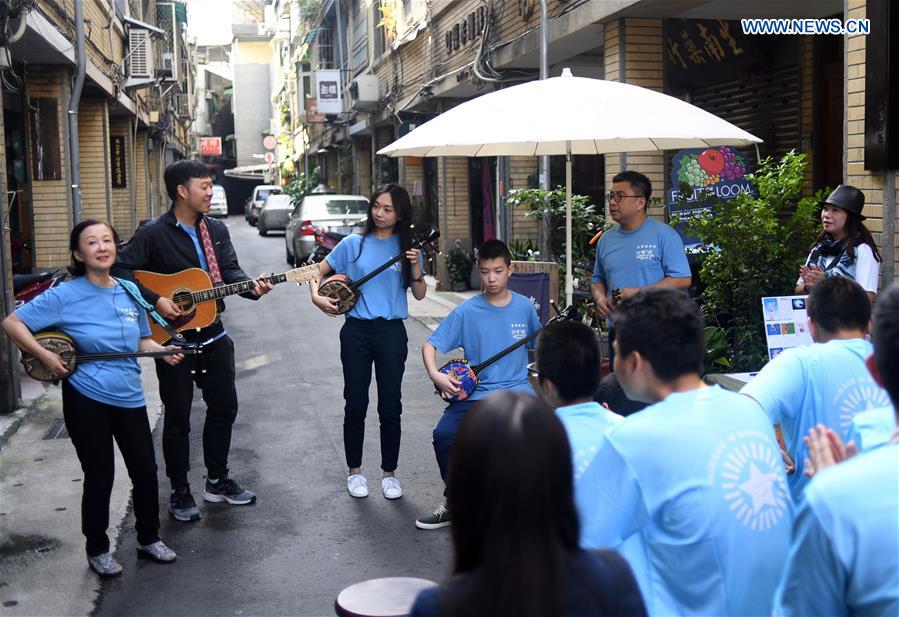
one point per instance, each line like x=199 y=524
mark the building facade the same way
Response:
x=133 y=117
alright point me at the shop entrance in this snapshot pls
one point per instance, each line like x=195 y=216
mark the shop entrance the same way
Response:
x=19 y=214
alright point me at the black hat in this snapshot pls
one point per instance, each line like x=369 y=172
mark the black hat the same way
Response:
x=848 y=198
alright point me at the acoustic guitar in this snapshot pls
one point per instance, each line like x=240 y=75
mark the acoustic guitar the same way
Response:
x=193 y=292
x=339 y=287
x=63 y=346
x=467 y=375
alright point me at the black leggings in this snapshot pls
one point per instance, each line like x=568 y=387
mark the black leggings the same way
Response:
x=93 y=426
x=384 y=343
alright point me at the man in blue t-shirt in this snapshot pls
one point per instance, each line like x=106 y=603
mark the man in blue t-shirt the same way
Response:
x=640 y=252
x=568 y=358
x=825 y=383
x=844 y=557
x=691 y=489
x=482 y=326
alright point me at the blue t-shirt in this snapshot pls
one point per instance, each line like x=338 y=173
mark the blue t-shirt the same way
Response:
x=383 y=296
x=822 y=383
x=483 y=330
x=872 y=428
x=99 y=320
x=192 y=232
x=844 y=558
x=698 y=479
x=639 y=258
x=586 y=425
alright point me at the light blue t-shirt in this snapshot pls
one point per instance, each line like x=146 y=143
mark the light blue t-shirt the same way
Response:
x=872 y=428
x=383 y=296
x=192 y=232
x=483 y=330
x=822 y=383
x=586 y=425
x=99 y=320
x=844 y=558
x=639 y=258
x=698 y=479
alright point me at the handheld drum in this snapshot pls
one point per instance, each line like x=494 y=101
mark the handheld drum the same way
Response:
x=346 y=292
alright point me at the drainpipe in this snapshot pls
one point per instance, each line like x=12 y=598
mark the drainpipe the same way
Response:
x=77 y=86
x=545 y=231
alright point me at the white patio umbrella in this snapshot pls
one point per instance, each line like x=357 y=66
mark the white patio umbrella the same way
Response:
x=568 y=115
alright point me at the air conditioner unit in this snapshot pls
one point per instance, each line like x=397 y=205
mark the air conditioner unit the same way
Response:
x=140 y=53
x=184 y=105
x=169 y=66
x=365 y=92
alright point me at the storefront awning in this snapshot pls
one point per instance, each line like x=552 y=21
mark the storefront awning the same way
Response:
x=264 y=173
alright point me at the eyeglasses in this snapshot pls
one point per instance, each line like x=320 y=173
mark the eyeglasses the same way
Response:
x=619 y=196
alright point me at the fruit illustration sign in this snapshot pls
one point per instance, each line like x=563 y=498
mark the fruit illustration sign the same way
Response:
x=719 y=171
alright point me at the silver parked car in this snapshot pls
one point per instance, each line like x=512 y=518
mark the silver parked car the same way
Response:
x=219 y=206
x=254 y=204
x=274 y=214
x=342 y=214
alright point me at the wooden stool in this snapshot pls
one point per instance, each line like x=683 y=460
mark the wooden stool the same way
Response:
x=380 y=597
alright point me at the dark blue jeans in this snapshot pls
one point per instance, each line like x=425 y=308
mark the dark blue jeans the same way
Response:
x=445 y=433
x=382 y=342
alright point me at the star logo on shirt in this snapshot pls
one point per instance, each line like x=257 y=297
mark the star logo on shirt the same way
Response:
x=745 y=467
x=856 y=396
x=760 y=488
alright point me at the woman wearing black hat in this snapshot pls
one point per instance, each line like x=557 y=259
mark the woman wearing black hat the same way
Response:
x=844 y=247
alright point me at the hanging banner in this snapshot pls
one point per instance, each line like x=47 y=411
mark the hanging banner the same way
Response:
x=117 y=161
x=328 y=90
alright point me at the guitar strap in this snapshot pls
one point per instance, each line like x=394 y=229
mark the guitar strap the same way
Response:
x=211 y=261
x=134 y=292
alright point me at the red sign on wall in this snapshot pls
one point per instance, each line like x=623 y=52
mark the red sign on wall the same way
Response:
x=210 y=146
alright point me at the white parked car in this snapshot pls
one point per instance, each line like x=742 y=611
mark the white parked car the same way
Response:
x=219 y=206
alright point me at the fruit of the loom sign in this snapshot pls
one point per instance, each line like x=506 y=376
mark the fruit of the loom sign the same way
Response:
x=711 y=167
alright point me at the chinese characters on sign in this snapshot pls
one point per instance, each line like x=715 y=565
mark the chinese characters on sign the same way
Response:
x=210 y=146
x=328 y=91
x=117 y=161
x=466 y=30
x=702 y=52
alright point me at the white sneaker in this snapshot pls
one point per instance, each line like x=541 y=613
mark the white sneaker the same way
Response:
x=390 y=486
x=357 y=485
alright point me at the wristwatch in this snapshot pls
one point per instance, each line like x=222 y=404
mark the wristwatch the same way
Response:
x=421 y=277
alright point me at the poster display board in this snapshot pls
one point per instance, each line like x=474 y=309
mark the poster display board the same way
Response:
x=786 y=323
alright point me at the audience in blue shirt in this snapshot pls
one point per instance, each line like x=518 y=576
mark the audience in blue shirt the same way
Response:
x=844 y=557
x=515 y=528
x=696 y=477
x=825 y=383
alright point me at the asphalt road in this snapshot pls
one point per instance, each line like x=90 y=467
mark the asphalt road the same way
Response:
x=306 y=539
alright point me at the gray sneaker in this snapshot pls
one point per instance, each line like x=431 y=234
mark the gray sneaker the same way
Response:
x=182 y=506
x=105 y=565
x=157 y=552
x=229 y=491
x=436 y=519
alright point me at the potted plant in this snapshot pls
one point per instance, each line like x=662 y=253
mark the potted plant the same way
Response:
x=458 y=265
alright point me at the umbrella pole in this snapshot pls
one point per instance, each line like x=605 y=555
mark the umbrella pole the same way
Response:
x=569 y=284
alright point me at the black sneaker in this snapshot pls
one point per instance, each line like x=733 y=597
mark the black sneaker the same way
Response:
x=182 y=506
x=228 y=490
x=440 y=517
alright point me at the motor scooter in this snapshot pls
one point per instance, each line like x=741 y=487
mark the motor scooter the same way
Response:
x=325 y=241
x=29 y=286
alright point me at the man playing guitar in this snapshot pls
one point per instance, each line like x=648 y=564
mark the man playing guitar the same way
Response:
x=184 y=238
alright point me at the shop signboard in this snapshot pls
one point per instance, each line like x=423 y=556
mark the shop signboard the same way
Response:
x=719 y=173
x=210 y=146
x=328 y=91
